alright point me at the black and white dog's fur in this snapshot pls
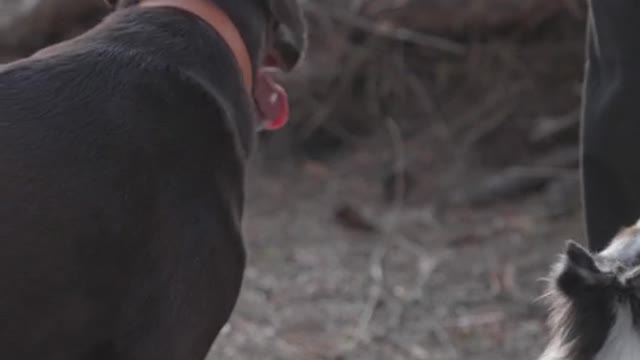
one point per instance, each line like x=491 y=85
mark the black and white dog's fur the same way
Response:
x=122 y=169
x=595 y=302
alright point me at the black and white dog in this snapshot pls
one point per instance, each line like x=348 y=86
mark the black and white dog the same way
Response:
x=122 y=170
x=595 y=302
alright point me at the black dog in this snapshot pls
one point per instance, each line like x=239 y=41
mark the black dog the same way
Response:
x=595 y=302
x=122 y=163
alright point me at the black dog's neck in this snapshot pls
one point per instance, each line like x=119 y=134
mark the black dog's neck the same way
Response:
x=174 y=38
x=250 y=18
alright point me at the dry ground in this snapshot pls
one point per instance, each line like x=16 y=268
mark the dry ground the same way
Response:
x=431 y=282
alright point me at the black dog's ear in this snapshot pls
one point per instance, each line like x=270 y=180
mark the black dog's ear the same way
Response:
x=577 y=272
x=111 y=3
x=291 y=34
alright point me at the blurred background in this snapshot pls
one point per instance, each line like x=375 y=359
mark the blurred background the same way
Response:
x=420 y=192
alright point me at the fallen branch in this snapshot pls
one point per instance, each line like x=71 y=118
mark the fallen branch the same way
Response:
x=515 y=181
x=387 y=30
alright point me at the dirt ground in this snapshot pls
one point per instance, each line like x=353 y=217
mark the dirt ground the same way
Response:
x=431 y=281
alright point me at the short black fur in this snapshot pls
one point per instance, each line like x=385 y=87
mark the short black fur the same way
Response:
x=122 y=167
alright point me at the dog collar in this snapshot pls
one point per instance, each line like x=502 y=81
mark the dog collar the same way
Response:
x=220 y=21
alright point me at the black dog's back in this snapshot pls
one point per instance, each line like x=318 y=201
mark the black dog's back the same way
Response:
x=122 y=159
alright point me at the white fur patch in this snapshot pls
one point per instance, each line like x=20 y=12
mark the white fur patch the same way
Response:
x=623 y=342
x=555 y=351
x=624 y=246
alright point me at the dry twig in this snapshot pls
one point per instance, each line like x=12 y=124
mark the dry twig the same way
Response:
x=388 y=30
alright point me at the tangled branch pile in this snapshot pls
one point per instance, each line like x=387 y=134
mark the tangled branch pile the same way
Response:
x=469 y=69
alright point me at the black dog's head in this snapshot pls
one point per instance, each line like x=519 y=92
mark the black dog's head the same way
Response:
x=274 y=32
x=279 y=21
x=595 y=300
